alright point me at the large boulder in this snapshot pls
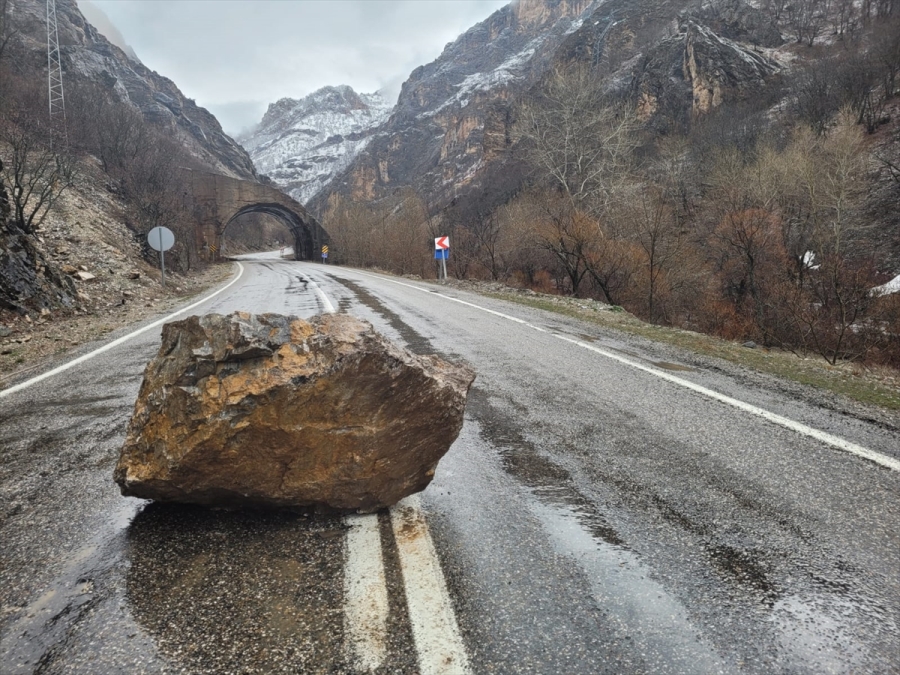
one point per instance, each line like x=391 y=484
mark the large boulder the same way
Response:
x=274 y=410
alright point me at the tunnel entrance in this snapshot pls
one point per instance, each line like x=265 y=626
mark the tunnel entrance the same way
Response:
x=299 y=235
x=253 y=232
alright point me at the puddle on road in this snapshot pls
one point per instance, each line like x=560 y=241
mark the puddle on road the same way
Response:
x=37 y=632
x=634 y=605
x=816 y=633
x=743 y=570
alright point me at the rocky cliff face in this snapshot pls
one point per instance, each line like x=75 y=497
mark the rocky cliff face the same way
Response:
x=302 y=144
x=87 y=54
x=454 y=118
x=451 y=116
x=694 y=71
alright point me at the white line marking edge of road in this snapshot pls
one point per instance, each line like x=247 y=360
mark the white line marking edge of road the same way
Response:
x=797 y=427
x=117 y=341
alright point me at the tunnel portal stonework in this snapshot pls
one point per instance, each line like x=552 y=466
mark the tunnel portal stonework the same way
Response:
x=217 y=200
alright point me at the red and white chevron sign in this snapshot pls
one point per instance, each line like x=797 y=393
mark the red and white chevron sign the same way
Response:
x=442 y=242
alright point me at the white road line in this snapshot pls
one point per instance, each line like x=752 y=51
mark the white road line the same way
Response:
x=435 y=632
x=365 y=594
x=798 y=427
x=365 y=588
x=118 y=341
x=438 y=643
x=326 y=303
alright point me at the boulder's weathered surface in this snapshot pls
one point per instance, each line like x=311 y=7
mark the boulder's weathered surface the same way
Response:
x=273 y=410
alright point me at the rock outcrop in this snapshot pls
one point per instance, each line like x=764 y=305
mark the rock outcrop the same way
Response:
x=28 y=281
x=454 y=122
x=452 y=116
x=740 y=21
x=279 y=411
x=695 y=71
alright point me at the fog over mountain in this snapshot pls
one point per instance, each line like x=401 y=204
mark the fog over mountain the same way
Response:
x=97 y=17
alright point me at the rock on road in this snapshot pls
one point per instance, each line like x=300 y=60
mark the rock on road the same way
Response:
x=592 y=517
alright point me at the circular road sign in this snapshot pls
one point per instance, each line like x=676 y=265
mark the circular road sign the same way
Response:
x=161 y=239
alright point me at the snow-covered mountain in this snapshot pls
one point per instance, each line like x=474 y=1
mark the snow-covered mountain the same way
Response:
x=301 y=144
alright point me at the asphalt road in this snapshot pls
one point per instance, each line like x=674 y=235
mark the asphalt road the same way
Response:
x=592 y=517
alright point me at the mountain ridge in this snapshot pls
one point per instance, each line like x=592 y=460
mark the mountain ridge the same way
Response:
x=87 y=54
x=300 y=144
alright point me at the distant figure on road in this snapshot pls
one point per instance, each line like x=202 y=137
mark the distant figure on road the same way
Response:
x=282 y=251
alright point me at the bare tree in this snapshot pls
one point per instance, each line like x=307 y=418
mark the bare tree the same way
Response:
x=747 y=241
x=6 y=30
x=844 y=17
x=113 y=130
x=404 y=240
x=568 y=234
x=348 y=223
x=830 y=302
x=35 y=172
x=654 y=226
x=806 y=18
x=886 y=52
x=775 y=8
x=576 y=138
x=815 y=99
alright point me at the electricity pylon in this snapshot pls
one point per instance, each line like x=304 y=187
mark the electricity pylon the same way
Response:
x=57 y=98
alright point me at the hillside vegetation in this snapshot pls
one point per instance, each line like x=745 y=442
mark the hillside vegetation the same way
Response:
x=743 y=186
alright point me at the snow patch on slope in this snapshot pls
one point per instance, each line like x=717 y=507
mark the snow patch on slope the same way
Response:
x=893 y=286
x=302 y=144
x=507 y=71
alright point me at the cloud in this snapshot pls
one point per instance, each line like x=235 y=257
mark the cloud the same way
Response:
x=238 y=117
x=230 y=56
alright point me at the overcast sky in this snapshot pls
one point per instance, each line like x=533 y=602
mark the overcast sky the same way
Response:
x=234 y=57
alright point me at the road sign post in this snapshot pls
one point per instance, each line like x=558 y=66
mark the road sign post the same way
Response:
x=442 y=252
x=161 y=239
x=324 y=253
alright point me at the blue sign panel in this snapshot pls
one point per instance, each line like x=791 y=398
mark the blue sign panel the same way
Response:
x=442 y=254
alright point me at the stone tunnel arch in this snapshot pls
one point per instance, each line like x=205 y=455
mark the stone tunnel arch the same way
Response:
x=216 y=200
x=304 y=237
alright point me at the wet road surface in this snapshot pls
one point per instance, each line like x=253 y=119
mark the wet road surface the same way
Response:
x=591 y=518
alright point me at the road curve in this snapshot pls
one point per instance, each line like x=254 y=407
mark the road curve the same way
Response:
x=593 y=517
